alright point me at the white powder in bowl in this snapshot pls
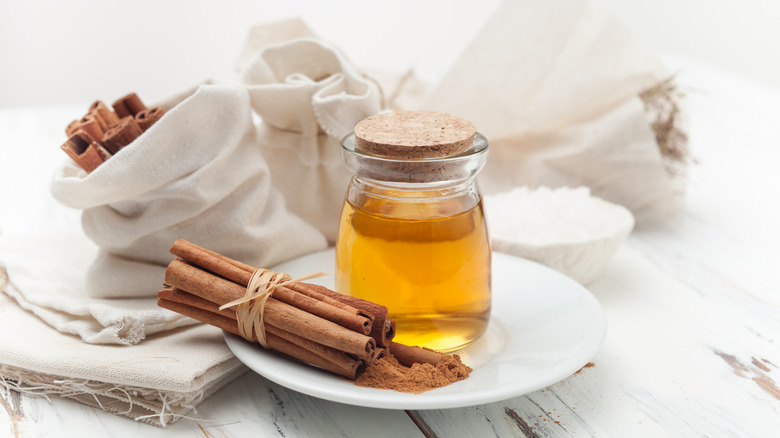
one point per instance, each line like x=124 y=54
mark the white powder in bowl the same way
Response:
x=566 y=229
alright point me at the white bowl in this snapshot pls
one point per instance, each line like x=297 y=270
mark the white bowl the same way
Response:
x=566 y=229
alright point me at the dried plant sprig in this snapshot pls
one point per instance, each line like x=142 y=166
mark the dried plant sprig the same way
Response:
x=661 y=103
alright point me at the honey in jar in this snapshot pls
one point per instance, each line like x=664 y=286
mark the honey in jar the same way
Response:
x=412 y=234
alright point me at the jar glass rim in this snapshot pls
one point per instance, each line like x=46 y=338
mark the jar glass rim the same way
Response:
x=477 y=148
x=450 y=169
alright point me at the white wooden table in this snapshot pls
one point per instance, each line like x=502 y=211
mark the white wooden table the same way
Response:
x=693 y=306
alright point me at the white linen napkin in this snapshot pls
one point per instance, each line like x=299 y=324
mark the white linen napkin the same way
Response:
x=47 y=277
x=51 y=338
x=157 y=381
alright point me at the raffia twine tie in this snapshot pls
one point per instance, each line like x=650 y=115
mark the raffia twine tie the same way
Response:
x=250 y=308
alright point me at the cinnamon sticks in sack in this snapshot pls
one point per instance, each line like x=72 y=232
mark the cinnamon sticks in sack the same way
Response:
x=197 y=174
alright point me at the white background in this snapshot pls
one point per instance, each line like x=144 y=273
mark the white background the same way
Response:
x=74 y=52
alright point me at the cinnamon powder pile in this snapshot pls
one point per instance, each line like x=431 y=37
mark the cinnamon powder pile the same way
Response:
x=387 y=373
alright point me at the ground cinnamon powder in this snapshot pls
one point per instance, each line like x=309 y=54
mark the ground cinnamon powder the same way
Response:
x=387 y=373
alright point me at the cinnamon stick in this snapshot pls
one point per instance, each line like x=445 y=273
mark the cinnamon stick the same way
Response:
x=312 y=291
x=148 y=117
x=129 y=105
x=71 y=128
x=203 y=280
x=121 y=134
x=241 y=272
x=83 y=149
x=346 y=366
x=343 y=363
x=291 y=319
x=408 y=356
x=383 y=329
x=90 y=125
x=353 y=321
x=379 y=353
x=219 y=264
x=103 y=114
x=182 y=297
x=320 y=305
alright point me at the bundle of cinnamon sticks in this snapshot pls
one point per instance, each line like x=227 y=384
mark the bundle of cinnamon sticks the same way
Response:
x=312 y=323
x=101 y=133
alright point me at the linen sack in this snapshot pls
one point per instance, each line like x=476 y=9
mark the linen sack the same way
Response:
x=196 y=174
x=556 y=88
x=308 y=98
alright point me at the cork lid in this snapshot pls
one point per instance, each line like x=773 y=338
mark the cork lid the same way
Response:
x=414 y=135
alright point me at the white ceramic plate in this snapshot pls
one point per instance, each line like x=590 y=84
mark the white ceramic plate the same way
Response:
x=544 y=327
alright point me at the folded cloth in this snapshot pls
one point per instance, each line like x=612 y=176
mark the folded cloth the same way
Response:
x=43 y=352
x=157 y=381
x=47 y=271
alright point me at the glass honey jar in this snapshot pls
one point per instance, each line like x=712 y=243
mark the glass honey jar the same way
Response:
x=412 y=234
